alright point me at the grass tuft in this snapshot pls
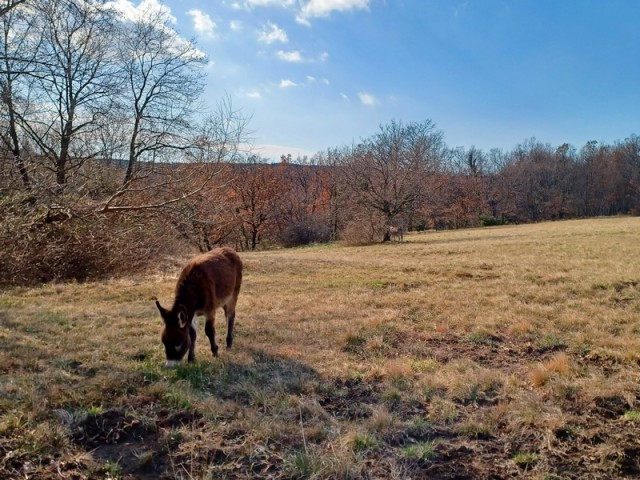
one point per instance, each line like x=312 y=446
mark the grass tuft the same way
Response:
x=525 y=459
x=424 y=451
x=632 y=415
x=363 y=443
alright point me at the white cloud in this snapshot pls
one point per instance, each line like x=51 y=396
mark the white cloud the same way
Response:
x=287 y=84
x=345 y=97
x=250 y=4
x=144 y=9
x=254 y=94
x=312 y=79
x=160 y=14
x=274 y=152
x=460 y=9
x=324 y=8
x=202 y=23
x=235 y=25
x=293 y=56
x=367 y=99
x=307 y=9
x=272 y=33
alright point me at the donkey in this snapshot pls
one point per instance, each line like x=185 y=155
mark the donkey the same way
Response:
x=208 y=282
x=396 y=233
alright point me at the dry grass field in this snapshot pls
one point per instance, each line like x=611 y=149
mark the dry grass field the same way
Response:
x=508 y=352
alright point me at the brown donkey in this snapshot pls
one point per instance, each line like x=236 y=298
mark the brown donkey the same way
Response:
x=208 y=282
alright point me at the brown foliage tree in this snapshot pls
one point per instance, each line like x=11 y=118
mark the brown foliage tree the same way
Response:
x=386 y=172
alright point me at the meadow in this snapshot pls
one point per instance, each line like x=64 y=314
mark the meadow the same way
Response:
x=504 y=352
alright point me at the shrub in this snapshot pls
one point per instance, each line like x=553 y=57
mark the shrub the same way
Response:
x=38 y=245
x=491 y=221
x=305 y=232
x=363 y=230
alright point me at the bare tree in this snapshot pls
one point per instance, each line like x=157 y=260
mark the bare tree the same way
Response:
x=163 y=81
x=17 y=53
x=335 y=188
x=76 y=79
x=254 y=193
x=207 y=218
x=386 y=172
x=178 y=178
x=8 y=5
x=462 y=200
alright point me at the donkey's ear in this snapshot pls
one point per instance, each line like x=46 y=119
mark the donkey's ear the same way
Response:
x=182 y=319
x=163 y=311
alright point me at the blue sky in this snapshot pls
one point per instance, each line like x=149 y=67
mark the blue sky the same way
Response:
x=315 y=74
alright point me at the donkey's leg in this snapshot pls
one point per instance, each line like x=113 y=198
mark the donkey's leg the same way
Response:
x=230 y=308
x=230 y=314
x=210 y=330
x=193 y=334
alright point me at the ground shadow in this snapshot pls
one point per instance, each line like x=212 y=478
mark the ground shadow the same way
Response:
x=143 y=437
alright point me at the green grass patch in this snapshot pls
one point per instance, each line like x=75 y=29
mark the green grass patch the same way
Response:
x=525 y=459
x=423 y=451
x=632 y=415
x=363 y=443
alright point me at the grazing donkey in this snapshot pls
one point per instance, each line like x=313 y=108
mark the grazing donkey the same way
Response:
x=396 y=233
x=208 y=282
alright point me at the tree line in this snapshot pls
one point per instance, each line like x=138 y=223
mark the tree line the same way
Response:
x=110 y=159
x=406 y=176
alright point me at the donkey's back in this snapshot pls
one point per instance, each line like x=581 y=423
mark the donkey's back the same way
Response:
x=213 y=279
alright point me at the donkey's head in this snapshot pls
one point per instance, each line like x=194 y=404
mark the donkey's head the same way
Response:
x=176 y=336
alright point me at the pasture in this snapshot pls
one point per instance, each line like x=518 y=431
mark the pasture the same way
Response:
x=507 y=352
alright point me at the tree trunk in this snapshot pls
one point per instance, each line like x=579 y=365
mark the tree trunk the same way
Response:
x=15 y=150
x=7 y=95
x=254 y=238
x=65 y=142
x=132 y=150
x=61 y=164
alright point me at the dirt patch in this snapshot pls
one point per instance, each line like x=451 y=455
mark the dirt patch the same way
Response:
x=490 y=351
x=598 y=444
x=350 y=399
x=155 y=450
x=139 y=448
x=167 y=419
x=610 y=407
x=452 y=462
x=109 y=428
